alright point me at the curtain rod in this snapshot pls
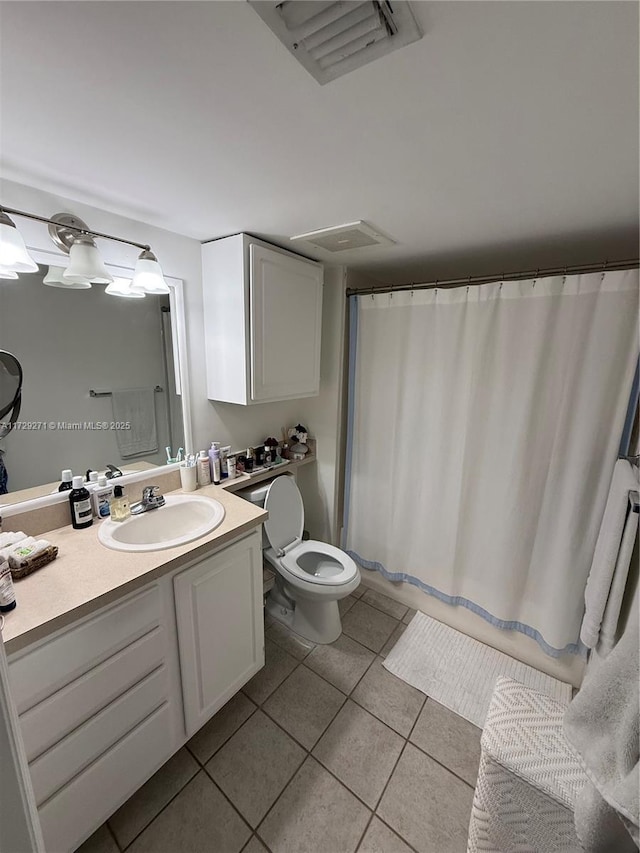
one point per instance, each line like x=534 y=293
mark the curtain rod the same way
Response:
x=487 y=279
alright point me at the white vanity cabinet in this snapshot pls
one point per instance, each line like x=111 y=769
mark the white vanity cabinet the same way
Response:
x=220 y=628
x=105 y=701
x=262 y=321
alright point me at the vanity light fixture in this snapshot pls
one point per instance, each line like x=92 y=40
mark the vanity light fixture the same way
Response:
x=122 y=287
x=56 y=278
x=75 y=238
x=14 y=256
x=147 y=277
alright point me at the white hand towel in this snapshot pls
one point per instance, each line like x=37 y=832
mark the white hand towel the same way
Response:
x=605 y=557
x=135 y=406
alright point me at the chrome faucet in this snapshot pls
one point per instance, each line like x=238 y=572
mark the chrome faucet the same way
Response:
x=151 y=499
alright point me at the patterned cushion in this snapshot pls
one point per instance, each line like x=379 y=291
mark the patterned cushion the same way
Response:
x=528 y=779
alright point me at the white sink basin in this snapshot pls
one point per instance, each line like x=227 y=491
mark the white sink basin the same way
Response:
x=182 y=519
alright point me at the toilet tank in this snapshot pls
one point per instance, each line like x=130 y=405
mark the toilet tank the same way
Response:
x=256 y=495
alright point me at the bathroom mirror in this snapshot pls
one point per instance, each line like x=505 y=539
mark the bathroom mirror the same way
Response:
x=81 y=352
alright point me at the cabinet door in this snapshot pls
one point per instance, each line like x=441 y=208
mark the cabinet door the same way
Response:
x=286 y=317
x=220 y=628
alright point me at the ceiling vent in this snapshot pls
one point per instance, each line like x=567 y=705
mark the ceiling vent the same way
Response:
x=341 y=238
x=332 y=39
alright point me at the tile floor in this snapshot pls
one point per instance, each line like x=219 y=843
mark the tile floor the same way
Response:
x=323 y=751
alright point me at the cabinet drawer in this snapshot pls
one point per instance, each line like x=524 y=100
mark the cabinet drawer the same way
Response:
x=77 y=809
x=70 y=756
x=49 y=721
x=37 y=674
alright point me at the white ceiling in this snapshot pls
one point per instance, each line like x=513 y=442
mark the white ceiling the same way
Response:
x=508 y=135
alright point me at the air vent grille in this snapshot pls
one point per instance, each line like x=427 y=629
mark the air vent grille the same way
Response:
x=332 y=39
x=342 y=238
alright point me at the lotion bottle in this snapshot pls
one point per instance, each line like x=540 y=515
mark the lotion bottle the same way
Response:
x=204 y=470
x=214 y=457
x=7 y=595
x=100 y=497
x=80 y=503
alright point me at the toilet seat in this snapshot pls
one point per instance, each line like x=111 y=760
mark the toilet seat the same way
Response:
x=311 y=562
x=319 y=563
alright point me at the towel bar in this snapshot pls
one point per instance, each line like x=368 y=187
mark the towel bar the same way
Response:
x=93 y=393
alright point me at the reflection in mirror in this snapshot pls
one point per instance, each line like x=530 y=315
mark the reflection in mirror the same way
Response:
x=71 y=342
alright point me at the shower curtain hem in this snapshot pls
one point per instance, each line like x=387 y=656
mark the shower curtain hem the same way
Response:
x=457 y=600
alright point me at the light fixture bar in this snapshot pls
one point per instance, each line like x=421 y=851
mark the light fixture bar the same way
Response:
x=88 y=231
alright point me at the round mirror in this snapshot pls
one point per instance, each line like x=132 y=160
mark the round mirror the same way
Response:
x=10 y=391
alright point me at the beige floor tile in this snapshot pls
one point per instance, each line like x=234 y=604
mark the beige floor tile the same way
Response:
x=345 y=604
x=100 y=842
x=198 y=819
x=254 y=766
x=450 y=739
x=296 y=645
x=315 y=814
x=380 y=839
x=389 y=698
x=278 y=665
x=343 y=663
x=220 y=727
x=393 y=639
x=368 y=626
x=408 y=616
x=149 y=800
x=361 y=751
x=383 y=602
x=304 y=705
x=426 y=805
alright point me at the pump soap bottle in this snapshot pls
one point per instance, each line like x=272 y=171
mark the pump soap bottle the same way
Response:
x=80 y=503
x=119 y=505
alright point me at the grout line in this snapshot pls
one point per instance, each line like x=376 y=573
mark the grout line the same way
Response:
x=112 y=833
x=235 y=808
x=444 y=766
x=395 y=832
x=226 y=740
x=386 y=612
x=366 y=829
x=166 y=805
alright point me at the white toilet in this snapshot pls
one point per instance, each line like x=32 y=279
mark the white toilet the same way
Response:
x=311 y=576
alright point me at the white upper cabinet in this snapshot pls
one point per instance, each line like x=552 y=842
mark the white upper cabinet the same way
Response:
x=262 y=321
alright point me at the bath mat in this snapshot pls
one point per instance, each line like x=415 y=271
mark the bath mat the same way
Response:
x=458 y=671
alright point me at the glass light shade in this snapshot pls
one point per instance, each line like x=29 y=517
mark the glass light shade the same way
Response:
x=85 y=263
x=13 y=252
x=55 y=278
x=147 y=276
x=122 y=287
x=7 y=273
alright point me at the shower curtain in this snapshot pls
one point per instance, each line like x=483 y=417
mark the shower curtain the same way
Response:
x=484 y=425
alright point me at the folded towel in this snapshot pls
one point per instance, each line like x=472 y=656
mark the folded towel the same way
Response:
x=26 y=549
x=136 y=406
x=605 y=557
x=602 y=727
x=7 y=539
x=609 y=627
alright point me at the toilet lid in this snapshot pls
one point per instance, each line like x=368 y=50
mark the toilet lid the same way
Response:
x=286 y=513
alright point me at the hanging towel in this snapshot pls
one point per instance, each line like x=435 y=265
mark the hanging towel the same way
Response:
x=137 y=407
x=609 y=627
x=602 y=728
x=608 y=548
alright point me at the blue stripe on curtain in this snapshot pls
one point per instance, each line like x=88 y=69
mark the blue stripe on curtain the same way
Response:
x=458 y=601
x=625 y=441
x=351 y=391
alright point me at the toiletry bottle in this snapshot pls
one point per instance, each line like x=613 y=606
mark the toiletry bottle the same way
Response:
x=92 y=479
x=67 y=481
x=249 y=460
x=214 y=458
x=100 y=497
x=204 y=471
x=7 y=595
x=119 y=505
x=224 y=469
x=80 y=503
x=231 y=467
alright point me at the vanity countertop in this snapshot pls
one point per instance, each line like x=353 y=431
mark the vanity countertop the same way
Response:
x=86 y=575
